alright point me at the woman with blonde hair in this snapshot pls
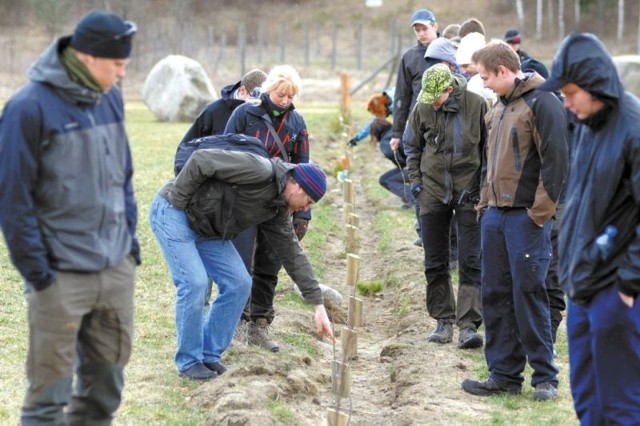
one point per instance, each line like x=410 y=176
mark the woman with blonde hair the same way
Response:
x=272 y=118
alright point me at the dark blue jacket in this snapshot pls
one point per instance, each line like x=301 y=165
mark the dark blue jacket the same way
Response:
x=408 y=85
x=66 y=201
x=604 y=180
x=213 y=118
x=249 y=119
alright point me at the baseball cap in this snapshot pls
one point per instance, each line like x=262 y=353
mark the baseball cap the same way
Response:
x=423 y=16
x=434 y=81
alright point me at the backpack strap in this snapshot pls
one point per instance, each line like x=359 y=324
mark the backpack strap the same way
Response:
x=276 y=137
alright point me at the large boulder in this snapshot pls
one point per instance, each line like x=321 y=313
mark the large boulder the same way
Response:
x=177 y=88
x=629 y=70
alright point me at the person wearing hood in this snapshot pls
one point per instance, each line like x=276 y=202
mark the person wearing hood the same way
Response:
x=599 y=237
x=444 y=152
x=442 y=50
x=525 y=163
x=69 y=217
x=274 y=120
x=213 y=118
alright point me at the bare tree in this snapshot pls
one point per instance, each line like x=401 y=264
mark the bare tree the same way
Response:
x=520 y=13
x=550 y=17
x=53 y=14
x=620 y=20
x=576 y=13
x=560 y=19
x=538 y=19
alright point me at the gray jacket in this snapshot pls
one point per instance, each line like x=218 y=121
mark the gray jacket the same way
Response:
x=224 y=192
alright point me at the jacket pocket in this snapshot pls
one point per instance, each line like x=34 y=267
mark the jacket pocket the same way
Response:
x=515 y=145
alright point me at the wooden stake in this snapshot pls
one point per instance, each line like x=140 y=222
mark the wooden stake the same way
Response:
x=353 y=261
x=340 y=379
x=353 y=220
x=352 y=245
x=355 y=312
x=349 y=344
x=337 y=418
x=348 y=195
x=348 y=210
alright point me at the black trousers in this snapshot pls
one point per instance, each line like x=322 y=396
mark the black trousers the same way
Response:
x=441 y=302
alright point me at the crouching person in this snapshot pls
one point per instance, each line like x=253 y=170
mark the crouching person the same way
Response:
x=218 y=194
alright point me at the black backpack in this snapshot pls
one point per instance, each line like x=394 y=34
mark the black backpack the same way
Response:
x=228 y=141
x=210 y=211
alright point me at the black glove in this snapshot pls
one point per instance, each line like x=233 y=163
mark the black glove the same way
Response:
x=416 y=188
x=300 y=226
x=352 y=142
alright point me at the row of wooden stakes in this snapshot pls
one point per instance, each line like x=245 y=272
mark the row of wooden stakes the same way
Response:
x=339 y=415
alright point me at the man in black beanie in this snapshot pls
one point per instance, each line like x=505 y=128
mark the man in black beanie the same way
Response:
x=68 y=214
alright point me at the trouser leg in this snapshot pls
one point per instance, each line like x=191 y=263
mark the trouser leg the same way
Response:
x=469 y=305
x=435 y=230
x=504 y=354
x=245 y=244
x=529 y=247
x=266 y=266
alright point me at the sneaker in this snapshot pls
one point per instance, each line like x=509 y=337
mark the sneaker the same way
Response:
x=443 y=332
x=545 y=392
x=487 y=388
x=216 y=366
x=240 y=335
x=258 y=335
x=198 y=371
x=469 y=338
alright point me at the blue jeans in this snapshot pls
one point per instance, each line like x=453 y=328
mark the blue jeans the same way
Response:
x=515 y=255
x=604 y=359
x=194 y=260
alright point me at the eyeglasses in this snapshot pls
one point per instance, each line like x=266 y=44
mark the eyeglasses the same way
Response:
x=132 y=28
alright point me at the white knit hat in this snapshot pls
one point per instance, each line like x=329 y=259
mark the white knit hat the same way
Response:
x=468 y=46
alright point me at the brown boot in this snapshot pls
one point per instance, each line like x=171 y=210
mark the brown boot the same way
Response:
x=258 y=335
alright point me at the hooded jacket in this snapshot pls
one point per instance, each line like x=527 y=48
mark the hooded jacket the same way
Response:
x=408 y=85
x=445 y=151
x=67 y=197
x=212 y=119
x=604 y=183
x=526 y=155
x=236 y=190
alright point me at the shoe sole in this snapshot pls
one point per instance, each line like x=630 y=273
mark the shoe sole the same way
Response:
x=442 y=342
x=485 y=392
x=185 y=376
x=473 y=343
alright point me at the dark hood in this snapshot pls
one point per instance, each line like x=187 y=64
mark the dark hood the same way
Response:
x=583 y=60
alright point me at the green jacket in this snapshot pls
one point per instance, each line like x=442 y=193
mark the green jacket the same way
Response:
x=444 y=147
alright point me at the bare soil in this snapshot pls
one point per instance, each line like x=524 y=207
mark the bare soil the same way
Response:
x=397 y=378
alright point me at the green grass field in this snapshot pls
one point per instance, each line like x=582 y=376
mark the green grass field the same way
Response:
x=154 y=393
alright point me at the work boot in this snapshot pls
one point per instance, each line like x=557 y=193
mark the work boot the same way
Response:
x=443 y=332
x=469 y=338
x=545 y=392
x=487 y=388
x=240 y=335
x=258 y=335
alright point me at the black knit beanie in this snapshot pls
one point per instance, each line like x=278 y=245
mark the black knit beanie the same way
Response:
x=104 y=35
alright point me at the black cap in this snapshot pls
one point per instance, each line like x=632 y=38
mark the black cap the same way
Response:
x=104 y=35
x=532 y=64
